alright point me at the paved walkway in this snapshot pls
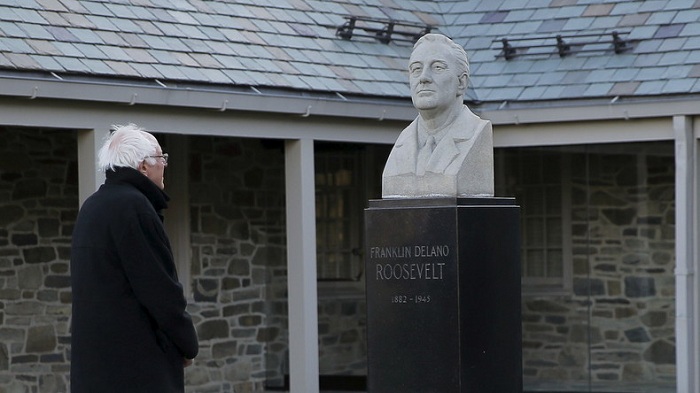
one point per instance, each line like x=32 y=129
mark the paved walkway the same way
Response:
x=551 y=387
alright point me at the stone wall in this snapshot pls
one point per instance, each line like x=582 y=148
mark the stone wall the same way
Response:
x=38 y=206
x=342 y=335
x=239 y=266
x=239 y=273
x=620 y=319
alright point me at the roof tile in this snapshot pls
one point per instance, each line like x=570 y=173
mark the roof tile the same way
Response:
x=694 y=72
x=133 y=40
x=22 y=61
x=634 y=19
x=206 y=60
x=642 y=32
x=48 y=63
x=96 y=66
x=215 y=76
x=85 y=35
x=239 y=77
x=97 y=9
x=605 y=22
x=52 y=5
x=147 y=71
x=169 y=71
x=54 y=18
x=115 y=53
x=67 y=49
x=104 y=23
x=598 y=89
x=552 y=26
x=139 y=55
x=165 y=58
x=673 y=58
x=651 y=87
x=90 y=51
x=693 y=57
x=650 y=73
x=74 y=6
x=185 y=59
x=122 y=67
x=574 y=90
x=662 y=17
x=598 y=9
x=624 y=8
x=44 y=47
x=532 y=93
x=561 y=3
x=77 y=20
x=73 y=64
x=652 y=5
x=111 y=37
x=673 y=44
x=29 y=16
x=10 y=29
x=668 y=31
x=15 y=45
x=676 y=86
x=687 y=16
x=569 y=12
x=624 y=88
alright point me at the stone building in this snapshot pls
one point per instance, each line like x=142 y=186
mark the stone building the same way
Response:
x=278 y=117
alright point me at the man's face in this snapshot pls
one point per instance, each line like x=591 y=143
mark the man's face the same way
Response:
x=155 y=172
x=433 y=76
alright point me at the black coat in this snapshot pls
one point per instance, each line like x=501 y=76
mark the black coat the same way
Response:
x=130 y=330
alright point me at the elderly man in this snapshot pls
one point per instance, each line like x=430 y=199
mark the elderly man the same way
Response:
x=447 y=151
x=130 y=330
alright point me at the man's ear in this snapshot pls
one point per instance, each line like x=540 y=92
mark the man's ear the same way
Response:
x=142 y=167
x=463 y=81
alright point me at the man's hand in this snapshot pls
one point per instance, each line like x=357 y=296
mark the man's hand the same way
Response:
x=187 y=362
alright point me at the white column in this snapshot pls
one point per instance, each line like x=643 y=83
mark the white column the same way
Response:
x=89 y=178
x=177 y=215
x=301 y=266
x=686 y=256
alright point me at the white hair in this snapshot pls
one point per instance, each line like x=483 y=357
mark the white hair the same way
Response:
x=127 y=146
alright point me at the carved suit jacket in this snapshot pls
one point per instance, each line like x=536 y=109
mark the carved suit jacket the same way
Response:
x=462 y=158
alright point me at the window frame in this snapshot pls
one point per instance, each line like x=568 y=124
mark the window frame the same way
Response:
x=368 y=159
x=549 y=286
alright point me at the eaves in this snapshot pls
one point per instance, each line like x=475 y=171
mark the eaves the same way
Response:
x=307 y=103
x=198 y=96
x=597 y=109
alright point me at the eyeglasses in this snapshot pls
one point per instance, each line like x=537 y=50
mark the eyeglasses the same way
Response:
x=164 y=156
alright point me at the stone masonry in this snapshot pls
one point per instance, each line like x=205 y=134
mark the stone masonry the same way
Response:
x=38 y=206
x=620 y=319
x=238 y=263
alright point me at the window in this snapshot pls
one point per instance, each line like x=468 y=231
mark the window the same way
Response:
x=347 y=176
x=339 y=208
x=538 y=179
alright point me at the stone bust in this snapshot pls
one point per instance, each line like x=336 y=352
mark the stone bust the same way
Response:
x=447 y=151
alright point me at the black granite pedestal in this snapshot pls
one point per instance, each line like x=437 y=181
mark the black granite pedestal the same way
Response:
x=443 y=296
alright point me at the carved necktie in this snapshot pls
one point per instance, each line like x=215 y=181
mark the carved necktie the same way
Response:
x=424 y=155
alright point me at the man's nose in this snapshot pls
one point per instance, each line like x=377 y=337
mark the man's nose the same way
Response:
x=425 y=75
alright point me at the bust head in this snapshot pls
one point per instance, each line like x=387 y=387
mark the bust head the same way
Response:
x=438 y=73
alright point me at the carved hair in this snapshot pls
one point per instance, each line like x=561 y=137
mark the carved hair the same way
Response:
x=457 y=50
x=127 y=146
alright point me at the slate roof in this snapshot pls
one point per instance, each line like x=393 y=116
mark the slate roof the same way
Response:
x=292 y=44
